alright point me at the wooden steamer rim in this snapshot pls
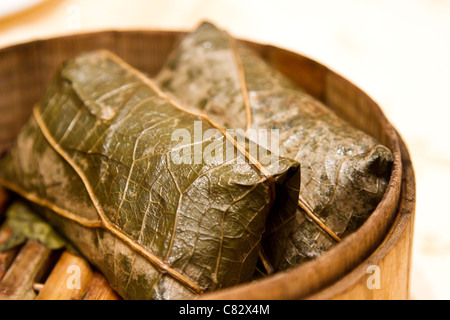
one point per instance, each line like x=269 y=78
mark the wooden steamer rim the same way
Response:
x=26 y=69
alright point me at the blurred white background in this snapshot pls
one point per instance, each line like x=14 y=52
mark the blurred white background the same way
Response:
x=398 y=51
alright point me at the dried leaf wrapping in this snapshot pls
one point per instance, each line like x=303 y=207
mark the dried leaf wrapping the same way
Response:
x=97 y=158
x=344 y=171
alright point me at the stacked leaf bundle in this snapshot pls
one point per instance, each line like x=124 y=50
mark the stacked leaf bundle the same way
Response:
x=165 y=219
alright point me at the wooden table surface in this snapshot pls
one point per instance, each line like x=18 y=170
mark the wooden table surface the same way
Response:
x=397 y=51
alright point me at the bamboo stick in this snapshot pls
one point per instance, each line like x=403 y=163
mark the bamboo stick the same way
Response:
x=6 y=258
x=37 y=287
x=99 y=289
x=68 y=279
x=30 y=266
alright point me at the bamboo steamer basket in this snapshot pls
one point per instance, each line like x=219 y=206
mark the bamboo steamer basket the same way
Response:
x=384 y=240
